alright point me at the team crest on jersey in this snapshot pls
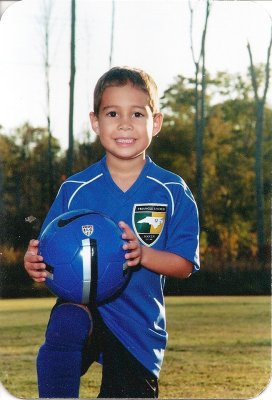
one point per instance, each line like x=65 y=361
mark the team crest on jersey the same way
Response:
x=87 y=230
x=148 y=222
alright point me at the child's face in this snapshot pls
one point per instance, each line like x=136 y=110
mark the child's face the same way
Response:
x=125 y=122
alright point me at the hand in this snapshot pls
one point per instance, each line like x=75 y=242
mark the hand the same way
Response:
x=33 y=262
x=134 y=254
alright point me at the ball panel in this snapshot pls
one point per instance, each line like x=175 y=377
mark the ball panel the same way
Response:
x=81 y=271
x=65 y=282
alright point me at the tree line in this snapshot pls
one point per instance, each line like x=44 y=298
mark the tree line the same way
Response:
x=29 y=180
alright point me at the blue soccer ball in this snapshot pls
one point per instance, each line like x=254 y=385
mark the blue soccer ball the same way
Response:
x=84 y=257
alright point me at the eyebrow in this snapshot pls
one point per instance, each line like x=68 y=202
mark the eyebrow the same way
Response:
x=115 y=106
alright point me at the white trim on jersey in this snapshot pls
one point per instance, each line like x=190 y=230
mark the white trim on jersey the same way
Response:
x=168 y=190
x=183 y=185
x=80 y=187
x=71 y=181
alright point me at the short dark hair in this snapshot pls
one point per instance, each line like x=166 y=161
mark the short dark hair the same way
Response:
x=121 y=76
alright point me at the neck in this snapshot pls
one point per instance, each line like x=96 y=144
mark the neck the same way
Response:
x=125 y=172
x=126 y=167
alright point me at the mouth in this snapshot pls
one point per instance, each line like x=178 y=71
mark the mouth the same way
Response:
x=125 y=141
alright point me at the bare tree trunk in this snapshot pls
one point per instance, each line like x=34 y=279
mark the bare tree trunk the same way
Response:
x=70 y=153
x=48 y=93
x=1 y=163
x=112 y=33
x=1 y=186
x=200 y=108
x=259 y=127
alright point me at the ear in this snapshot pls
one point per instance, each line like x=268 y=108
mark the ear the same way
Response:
x=157 y=123
x=94 y=122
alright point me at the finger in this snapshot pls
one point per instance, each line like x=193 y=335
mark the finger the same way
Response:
x=32 y=266
x=34 y=243
x=32 y=259
x=133 y=263
x=133 y=254
x=32 y=248
x=128 y=234
x=133 y=257
x=39 y=279
x=38 y=274
x=131 y=245
x=123 y=225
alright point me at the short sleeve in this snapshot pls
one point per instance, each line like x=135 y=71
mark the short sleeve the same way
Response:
x=183 y=226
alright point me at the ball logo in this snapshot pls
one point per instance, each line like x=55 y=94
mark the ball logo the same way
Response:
x=87 y=230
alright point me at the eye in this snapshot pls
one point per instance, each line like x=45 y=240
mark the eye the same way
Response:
x=112 y=114
x=137 y=114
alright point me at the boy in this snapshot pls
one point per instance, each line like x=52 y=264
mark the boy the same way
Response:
x=158 y=216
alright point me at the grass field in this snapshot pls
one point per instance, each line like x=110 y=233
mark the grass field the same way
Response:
x=219 y=347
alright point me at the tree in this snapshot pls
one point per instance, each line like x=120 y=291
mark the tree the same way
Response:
x=24 y=155
x=174 y=147
x=200 y=81
x=229 y=235
x=46 y=26
x=87 y=152
x=70 y=152
x=25 y=188
x=112 y=32
x=1 y=180
x=259 y=112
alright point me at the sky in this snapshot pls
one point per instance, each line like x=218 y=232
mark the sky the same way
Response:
x=149 y=34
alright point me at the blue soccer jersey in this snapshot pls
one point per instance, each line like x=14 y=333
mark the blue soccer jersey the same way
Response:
x=163 y=214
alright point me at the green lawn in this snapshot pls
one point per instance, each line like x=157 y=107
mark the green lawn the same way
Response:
x=219 y=347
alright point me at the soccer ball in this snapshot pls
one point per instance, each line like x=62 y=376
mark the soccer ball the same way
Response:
x=84 y=257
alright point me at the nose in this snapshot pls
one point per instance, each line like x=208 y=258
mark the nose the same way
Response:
x=125 y=124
